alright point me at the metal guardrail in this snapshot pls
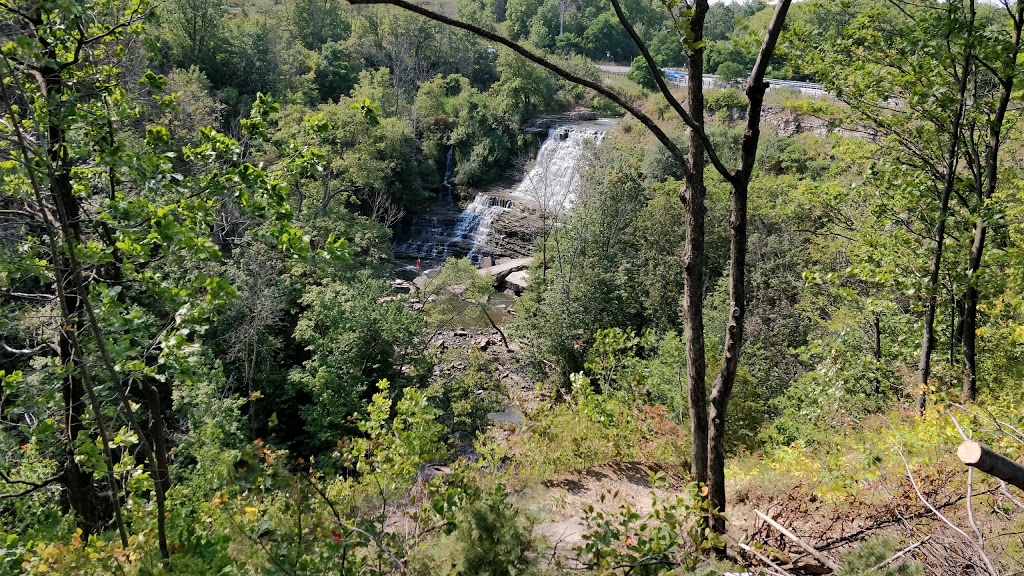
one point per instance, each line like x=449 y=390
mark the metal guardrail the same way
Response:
x=680 y=77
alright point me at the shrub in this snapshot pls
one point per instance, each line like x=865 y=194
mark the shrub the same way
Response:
x=586 y=430
x=355 y=338
x=612 y=361
x=674 y=534
x=465 y=396
x=667 y=376
x=487 y=536
x=493 y=538
x=725 y=100
x=867 y=557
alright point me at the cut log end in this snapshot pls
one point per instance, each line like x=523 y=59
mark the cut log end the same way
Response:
x=969 y=452
x=977 y=455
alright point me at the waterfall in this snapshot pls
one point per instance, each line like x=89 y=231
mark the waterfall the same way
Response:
x=437 y=237
x=449 y=169
x=475 y=222
x=554 y=180
x=552 y=184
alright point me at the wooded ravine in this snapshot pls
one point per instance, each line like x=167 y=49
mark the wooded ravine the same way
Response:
x=511 y=287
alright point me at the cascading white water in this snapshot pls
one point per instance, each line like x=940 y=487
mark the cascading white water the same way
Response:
x=475 y=222
x=461 y=235
x=449 y=170
x=552 y=184
x=555 y=178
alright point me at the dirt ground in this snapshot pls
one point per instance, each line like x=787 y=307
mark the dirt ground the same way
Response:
x=560 y=503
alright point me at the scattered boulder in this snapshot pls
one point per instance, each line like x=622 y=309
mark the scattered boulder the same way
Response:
x=399 y=286
x=431 y=470
x=509 y=415
x=517 y=281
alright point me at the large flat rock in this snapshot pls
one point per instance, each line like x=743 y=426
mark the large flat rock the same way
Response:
x=501 y=271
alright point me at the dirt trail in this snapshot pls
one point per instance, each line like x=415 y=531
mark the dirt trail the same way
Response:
x=559 y=505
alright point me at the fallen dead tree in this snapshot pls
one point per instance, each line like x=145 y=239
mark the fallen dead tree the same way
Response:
x=822 y=563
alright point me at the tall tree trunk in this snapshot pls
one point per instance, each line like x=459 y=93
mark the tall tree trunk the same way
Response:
x=721 y=390
x=928 y=336
x=692 y=197
x=84 y=496
x=970 y=383
x=956 y=312
x=158 y=466
x=876 y=351
x=949 y=180
x=81 y=491
x=959 y=312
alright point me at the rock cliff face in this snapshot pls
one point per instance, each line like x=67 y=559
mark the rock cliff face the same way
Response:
x=496 y=224
x=788 y=123
x=514 y=233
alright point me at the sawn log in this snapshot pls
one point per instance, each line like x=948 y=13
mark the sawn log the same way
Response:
x=983 y=458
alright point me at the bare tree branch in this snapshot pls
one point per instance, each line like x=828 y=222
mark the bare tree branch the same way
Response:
x=917 y=490
x=779 y=570
x=32 y=486
x=897 y=556
x=32 y=296
x=698 y=128
x=24 y=351
x=799 y=542
x=756 y=87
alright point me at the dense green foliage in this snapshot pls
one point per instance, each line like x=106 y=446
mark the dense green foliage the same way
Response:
x=206 y=367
